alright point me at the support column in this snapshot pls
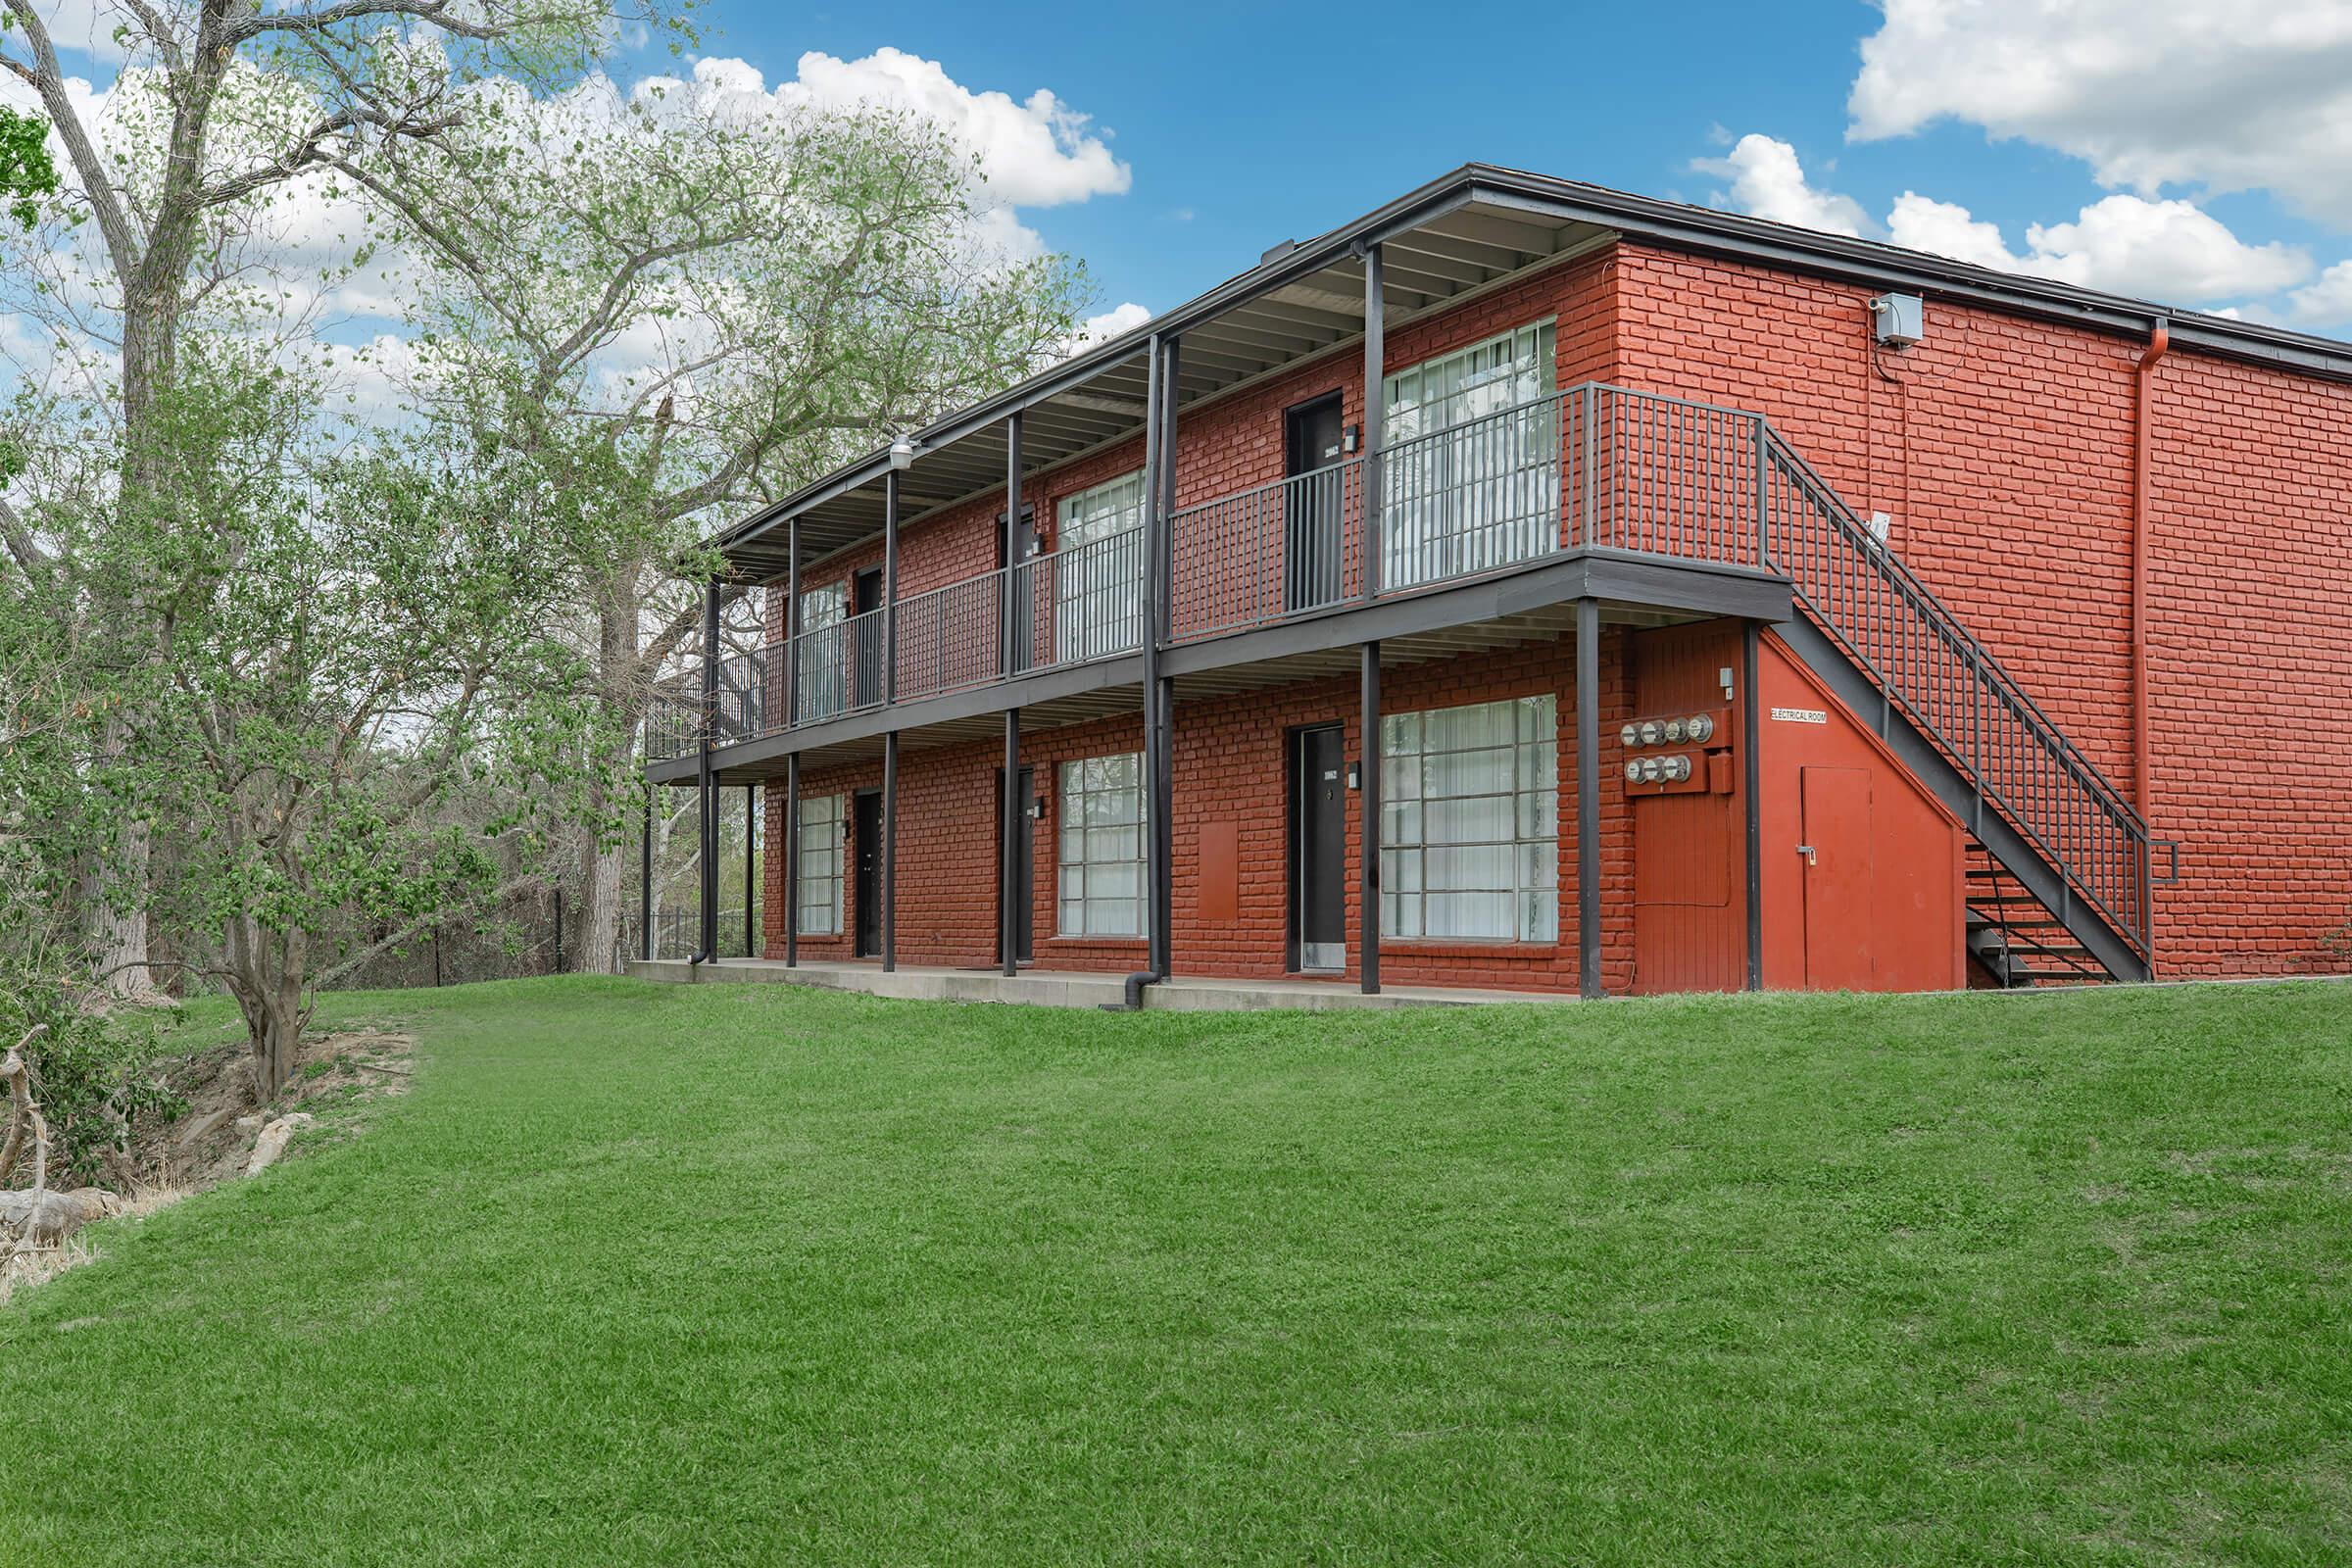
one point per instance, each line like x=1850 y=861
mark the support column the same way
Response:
x=1588 y=796
x=1367 y=827
x=792 y=860
x=890 y=852
x=890 y=586
x=792 y=623
x=645 y=882
x=750 y=869
x=1160 y=692
x=706 y=784
x=1008 y=864
x=1149 y=633
x=1750 y=788
x=1375 y=407
x=1012 y=535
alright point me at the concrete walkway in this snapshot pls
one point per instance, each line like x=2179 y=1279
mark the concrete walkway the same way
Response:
x=1067 y=988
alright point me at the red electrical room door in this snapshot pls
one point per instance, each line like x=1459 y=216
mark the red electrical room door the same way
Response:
x=1835 y=865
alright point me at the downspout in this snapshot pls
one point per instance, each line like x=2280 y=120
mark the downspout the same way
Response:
x=2142 y=443
x=1156 y=457
x=705 y=789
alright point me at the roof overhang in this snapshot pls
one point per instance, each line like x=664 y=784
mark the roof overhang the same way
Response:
x=1469 y=231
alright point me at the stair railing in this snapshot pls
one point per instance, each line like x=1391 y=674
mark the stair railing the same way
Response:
x=1925 y=663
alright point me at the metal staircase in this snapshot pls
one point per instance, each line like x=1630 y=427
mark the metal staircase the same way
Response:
x=2064 y=894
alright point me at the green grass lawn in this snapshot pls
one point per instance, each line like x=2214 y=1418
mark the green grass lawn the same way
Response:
x=729 y=1275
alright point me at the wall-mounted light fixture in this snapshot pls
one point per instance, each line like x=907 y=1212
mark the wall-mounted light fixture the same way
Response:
x=901 y=455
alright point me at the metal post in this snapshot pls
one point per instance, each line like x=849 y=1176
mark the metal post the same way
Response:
x=1751 y=776
x=1367 y=826
x=1588 y=796
x=792 y=623
x=792 y=860
x=1163 y=710
x=890 y=587
x=707 y=790
x=1375 y=405
x=1763 y=493
x=1007 y=866
x=645 y=882
x=1012 y=529
x=751 y=866
x=890 y=852
x=1156 y=461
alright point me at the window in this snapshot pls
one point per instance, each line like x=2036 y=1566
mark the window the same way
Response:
x=820 y=873
x=1470 y=483
x=1101 y=854
x=821 y=652
x=1469 y=823
x=1099 y=572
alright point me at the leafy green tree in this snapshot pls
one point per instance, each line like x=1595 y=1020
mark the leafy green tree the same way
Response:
x=673 y=305
x=27 y=174
x=219 y=107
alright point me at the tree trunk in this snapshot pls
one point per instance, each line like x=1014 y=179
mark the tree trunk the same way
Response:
x=600 y=924
x=266 y=971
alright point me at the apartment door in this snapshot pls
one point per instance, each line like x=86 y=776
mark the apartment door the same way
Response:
x=1835 y=865
x=1025 y=865
x=865 y=656
x=1314 y=502
x=1023 y=586
x=1319 y=848
x=867 y=900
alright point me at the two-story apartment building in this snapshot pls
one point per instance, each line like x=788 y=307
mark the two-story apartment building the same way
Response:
x=1534 y=586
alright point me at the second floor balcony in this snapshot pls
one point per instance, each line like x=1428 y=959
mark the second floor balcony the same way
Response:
x=1594 y=467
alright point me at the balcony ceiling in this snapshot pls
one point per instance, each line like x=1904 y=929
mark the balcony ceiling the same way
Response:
x=1468 y=247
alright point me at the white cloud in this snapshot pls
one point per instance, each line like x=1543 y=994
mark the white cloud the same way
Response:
x=2221 y=93
x=1122 y=318
x=1768 y=181
x=1039 y=152
x=2164 y=250
x=84 y=26
x=2328 y=299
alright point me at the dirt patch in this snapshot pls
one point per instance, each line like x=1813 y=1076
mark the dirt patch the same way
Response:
x=211 y=1141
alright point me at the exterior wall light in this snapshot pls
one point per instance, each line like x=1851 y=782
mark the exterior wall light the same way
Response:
x=901 y=455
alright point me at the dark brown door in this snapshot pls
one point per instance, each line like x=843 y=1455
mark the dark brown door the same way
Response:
x=866 y=637
x=867 y=833
x=1026 y=587
x=1314 y=502
x=1835 y=861
x=1319 y=848
x=1024 y=865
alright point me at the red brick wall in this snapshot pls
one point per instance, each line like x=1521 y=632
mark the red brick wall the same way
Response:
x=2249 y=661
x=1231 y=766
x=2001 y=446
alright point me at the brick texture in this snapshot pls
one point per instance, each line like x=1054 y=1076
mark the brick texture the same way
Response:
x=2002 y=449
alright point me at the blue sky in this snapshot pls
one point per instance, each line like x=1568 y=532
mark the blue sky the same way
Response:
x=2214 y=140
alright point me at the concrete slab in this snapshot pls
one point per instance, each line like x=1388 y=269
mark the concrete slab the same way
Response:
x=1070 y=988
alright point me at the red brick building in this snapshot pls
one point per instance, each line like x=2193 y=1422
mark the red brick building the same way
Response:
x=1699 y=604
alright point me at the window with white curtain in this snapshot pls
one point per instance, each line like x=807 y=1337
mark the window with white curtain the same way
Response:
x=823 y=650
x=1098 y=570
x=818 y=875
x=1472 y=476
x=1470 y=821
x=1099 y=854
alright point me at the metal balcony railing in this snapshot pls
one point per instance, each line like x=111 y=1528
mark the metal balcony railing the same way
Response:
x=1592 y=468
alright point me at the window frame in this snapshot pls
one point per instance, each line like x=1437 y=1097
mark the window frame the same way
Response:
x=1531 y=850
x=828 y=843
x=1073 y=816
x=1103 y=611
x=1506 y=474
